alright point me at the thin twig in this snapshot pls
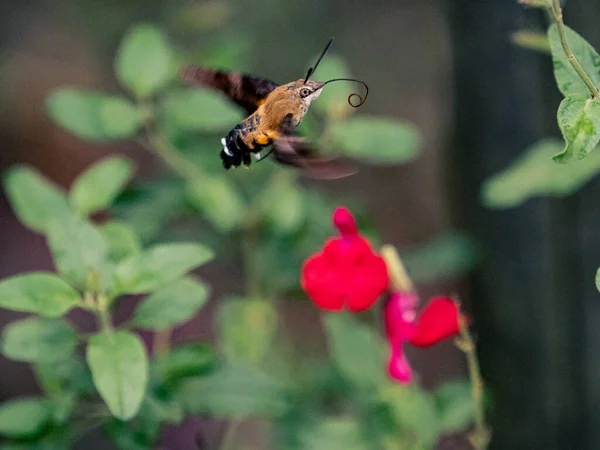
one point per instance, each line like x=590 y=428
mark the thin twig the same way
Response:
x=161 y=342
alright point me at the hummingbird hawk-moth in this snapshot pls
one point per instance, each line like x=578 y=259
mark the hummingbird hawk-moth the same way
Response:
x=274 y=111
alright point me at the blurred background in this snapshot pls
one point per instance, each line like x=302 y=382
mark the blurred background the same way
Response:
x=450 y=68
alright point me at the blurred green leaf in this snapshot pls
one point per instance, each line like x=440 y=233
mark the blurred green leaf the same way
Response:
x=119 y=366
x=93 y=116
x=456 y=408
x=200 y=110
x=34 y=199
x=359 y=353
x=97 y=187
x=282 y=203
x=246 y=328
x=567 y=79
x=39 y=340
x=579 y=122
x=159 y=266
x=598 y=279
x=24 y=417
x=334 y=434
x=531 y=40
x=534 y=173
x=38 y=292
x=444 y=257
x=183 y=361
x=333 y=100
x=79 y=250
x=378 y=140
x=144 y=61
x=219 y=201
x=122 y=240
x=415 y=413
x=71 y=374
x=234 y=392
x=171 y=305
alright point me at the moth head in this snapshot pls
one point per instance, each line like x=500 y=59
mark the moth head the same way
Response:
x=307 y=91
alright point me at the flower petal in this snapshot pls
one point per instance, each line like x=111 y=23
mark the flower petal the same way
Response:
x=344 y=222
x=438 y=321
x=399 y=315
x=398 y=367
x=321 y=283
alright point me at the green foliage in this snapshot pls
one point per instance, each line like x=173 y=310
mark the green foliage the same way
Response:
x=333 y=100
x=24 y=417
x=119 y=367
x=534 y=173
x=378 y=140
x=282 y=203
x=171 y=305
x=334 y=434
x=38 y=340
x=93 y=116
x=184 y=361
x=455 y=405
x=579 y=122
x=121 y=239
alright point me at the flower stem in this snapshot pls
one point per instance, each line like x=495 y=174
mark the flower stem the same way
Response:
x=481 y=436
x=399 y=279
x=161 y=342
x=557 y=15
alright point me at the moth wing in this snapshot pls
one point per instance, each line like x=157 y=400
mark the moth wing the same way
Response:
x=245 y=90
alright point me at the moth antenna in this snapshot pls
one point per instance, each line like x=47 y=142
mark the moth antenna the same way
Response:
x=361 y=100
x=313 y=68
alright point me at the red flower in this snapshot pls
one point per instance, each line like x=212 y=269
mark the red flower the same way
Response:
x=438 y=320
x=346 y=273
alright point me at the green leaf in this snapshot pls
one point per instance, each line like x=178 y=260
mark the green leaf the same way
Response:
x=97 y=187
x=444 y=257
x=144 y=61
x=219 y=201
x=534 y=173
x=80 y=252
x=567 y=79
x=24 y=417
x=415 y=413
x=359 y=353
x=282 y=203
x=39 y=340
x=122 y=240
x=38 y=292
x=334 y=434
x=598 y=279
x=71 y=375
x=333 y=100
x=119 y=366
x=378 y=140
x=34 y=199
x=200 y=110
x=93 y=116
x=171 y=305
x=579 y=122
x=184 y=361
x=456 y=408
x=159 y=266
x=241 y=318
x=234 y=392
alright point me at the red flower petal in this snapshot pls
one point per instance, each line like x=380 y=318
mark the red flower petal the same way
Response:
x=398 y=367
x=438 y=321
x=344 y=222
x=399 y=315
x=320 y=282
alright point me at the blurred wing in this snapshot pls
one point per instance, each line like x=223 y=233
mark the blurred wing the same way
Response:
x=293 y=151
x=245 y=90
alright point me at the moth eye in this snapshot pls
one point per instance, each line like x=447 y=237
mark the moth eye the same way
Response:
x=305 y=92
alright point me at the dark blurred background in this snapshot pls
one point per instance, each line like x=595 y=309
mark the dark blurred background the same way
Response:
x=479 y=101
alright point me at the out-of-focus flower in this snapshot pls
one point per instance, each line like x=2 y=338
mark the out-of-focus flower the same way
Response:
x=346 y=273
x=438 y=320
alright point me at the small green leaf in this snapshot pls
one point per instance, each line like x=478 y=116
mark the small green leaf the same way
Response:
x=39 y=340
x=455 y=405
x=234 y=392
x=240 y=318
x=119 y=366
x=334 y=434
x=333 y=100
x=200 y=110
x=187 y=360
x=93 y=116
x=97 y=187
x=34 y=199
x=38 y=292
x=144 y=61
x=378 y=140
x=579 y=122
x=171 y=305
x=598 y=279
x=282 y=203
x=79 y=250
x=359 y=353
x=122 y=240
x=159 y=266
x=219 y=201
x=24 y=417
x=567 y=79
x=534 y=173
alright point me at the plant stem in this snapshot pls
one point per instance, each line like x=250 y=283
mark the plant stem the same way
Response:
x=104 y=314
x=399 y=279
x=229 y=437
x=481 y=437
x=557 y=14
x=161 y=342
